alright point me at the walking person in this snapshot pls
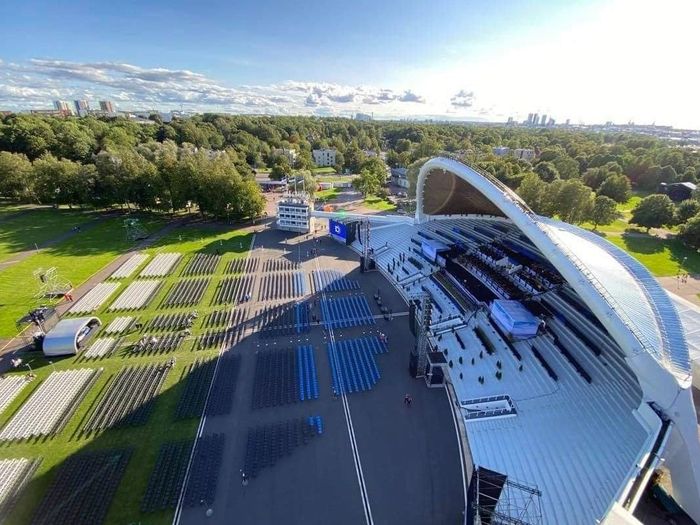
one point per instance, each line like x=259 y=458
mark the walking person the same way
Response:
x=407 y=400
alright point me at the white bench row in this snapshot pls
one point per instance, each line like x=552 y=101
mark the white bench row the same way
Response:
x=119 y=325
x=136 y=296
x=129 y=266
x=14 y=475
x=10 y=387
x=101 y=347
x=161 y=265
x=95 y=298
x=46 y=410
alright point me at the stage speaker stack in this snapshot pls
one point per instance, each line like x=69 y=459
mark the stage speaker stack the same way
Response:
x=413 y=364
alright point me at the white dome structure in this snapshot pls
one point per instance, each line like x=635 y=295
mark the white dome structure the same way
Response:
x=599 y=398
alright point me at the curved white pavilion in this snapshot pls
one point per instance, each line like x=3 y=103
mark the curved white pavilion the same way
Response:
x=601 y=396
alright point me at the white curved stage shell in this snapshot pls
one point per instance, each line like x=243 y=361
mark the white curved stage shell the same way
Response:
x=620 y=292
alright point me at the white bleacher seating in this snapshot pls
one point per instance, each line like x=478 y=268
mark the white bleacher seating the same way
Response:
x=45 y=411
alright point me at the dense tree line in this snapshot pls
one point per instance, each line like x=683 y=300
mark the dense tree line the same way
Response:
x=208 y=160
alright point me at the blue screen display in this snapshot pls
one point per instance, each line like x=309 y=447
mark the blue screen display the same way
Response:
x=338 y=230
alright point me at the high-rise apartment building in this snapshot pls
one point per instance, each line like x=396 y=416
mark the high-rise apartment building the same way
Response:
x=82 y=107
x=107 y=106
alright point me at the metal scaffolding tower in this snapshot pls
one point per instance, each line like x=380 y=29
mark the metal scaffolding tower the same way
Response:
x=51 y=284
x=498 y=500
x=423 y=342
x=366 y=252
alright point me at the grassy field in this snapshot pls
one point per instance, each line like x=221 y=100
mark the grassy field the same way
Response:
x=336 y=178
x=20 y=231
x=376 y=203
x=76 y=259
x=326 y=195
x=663 y=257
x=322 y=171
x=161 y=427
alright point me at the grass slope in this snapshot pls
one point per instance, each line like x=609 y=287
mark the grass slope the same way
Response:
x=76 y=259
x=161 y=427
x=20 y=231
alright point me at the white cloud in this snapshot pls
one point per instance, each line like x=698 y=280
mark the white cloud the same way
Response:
x=463 y=99
x=39 y=81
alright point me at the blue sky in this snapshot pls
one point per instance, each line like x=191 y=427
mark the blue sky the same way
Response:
x=589 y=61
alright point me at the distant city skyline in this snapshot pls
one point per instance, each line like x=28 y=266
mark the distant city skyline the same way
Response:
x=585 y=61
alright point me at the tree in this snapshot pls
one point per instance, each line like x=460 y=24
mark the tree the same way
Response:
x=686 y=209
x=572 y=200
x=689 y=175
x=412 y=175
x=604 y=211
x=668 y=174
x=689 y=232
x=367 y=182
x=73 y=141
x=15 y=176
x=60 y=181
x=594 y=177
x=617 y=187
x=339 y=162
x=533 y=191
x=547 y=171
x=567 y=167
x=376 y=166
x=354 y=158
x=281 y=169
x=653 y=211
x=427 y=148
x=305 y=180
x=649 y=178
x=403 y=145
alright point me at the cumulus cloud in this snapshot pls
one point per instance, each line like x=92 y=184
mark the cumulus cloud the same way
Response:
x=37 y=82
x=463 y=99
x=410 y=96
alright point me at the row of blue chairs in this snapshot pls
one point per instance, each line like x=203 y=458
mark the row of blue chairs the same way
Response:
x=306 y=369
x=344 y=312
x=301 y=286
x=302 y=317
x=317 y=422
x=333 y=281
x=353 y=365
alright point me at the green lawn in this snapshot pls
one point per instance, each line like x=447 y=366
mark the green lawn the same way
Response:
x=324 y=170
x=663 y=257
x=20 y=231
x=336 y=178
x=326 y=195
x=76 y=259
x=376 y=203
x=626 y=207
x=161 y=427
x=617 y=227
